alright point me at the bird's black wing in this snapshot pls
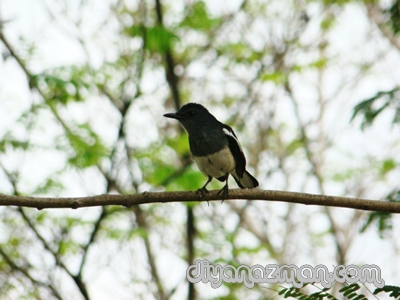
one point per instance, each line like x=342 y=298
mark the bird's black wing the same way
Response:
x=236 y=150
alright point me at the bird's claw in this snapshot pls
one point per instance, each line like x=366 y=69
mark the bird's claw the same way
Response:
x=202 y=193
x=225 y=193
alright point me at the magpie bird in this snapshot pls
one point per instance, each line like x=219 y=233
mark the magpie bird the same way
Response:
x=214 y=146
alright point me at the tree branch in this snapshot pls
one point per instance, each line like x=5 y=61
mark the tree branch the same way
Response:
x=76 y=278
x=141 y=220
x=182 y=196
x=25 y=272
x=375 y=14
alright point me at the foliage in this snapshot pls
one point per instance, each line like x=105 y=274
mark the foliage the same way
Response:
x=347 y=292
x=394 y=291
x=370 y=108
x=83 y=89
x=296 y=293
x=383 y=220
x=394 y=12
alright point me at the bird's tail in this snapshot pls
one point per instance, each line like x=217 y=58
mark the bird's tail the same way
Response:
x=246 y=181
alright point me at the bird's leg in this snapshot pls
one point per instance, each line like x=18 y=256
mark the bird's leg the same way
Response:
x=203 y=191
x=224 y=190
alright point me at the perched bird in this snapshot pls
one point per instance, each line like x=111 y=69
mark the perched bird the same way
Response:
x=214 y=146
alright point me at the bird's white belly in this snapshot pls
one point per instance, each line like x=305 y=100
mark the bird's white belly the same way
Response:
x=217 y=164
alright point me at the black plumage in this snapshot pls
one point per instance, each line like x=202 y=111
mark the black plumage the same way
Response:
x=214 y=147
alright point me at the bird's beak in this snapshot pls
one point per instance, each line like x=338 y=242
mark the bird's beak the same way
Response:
x=173 y=116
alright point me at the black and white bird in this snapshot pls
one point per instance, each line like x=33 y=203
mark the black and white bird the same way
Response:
x=214 y=146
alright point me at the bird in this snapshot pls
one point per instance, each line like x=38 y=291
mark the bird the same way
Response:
x=215 y=148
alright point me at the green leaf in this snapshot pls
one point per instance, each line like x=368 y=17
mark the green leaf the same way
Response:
x=293 y=146
x=394 y=12
x=239 y=52
x=382 y=219
x=319 y=64
x=190 y=180
x=387 y=166
x=14 y=242
x=370 y=108
x=327 y=23
x=159 y=173
x=50 y=186
x=351 y=295
x=198 y=18
x=247 y=250
x=118 y=234
x=394 y=291
x=349 y=289
x=282 y=291
x=9 y=142
x=276 y=77
x=158 y=169
x=343 y=289
x=159 y=39
x=156 y=38
x=67 y=247
x=62 y=85
x=41 y=217
x=336 y=2
x=180 y=144
x=88 y=150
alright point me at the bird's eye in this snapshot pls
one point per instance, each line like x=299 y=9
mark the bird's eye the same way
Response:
x=191 y=113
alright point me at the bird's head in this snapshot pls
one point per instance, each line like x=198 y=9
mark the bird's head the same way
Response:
x=193 y=116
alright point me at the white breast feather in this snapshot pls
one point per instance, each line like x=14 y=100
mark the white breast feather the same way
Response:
x=217 y=164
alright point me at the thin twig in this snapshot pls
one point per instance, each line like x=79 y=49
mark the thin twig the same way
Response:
x=141 y=220
x=77 y=278
x=96 y=228
x=25 y=272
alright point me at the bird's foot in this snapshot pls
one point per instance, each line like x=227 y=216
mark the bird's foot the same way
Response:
x=225 y=193
x=202 y=193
